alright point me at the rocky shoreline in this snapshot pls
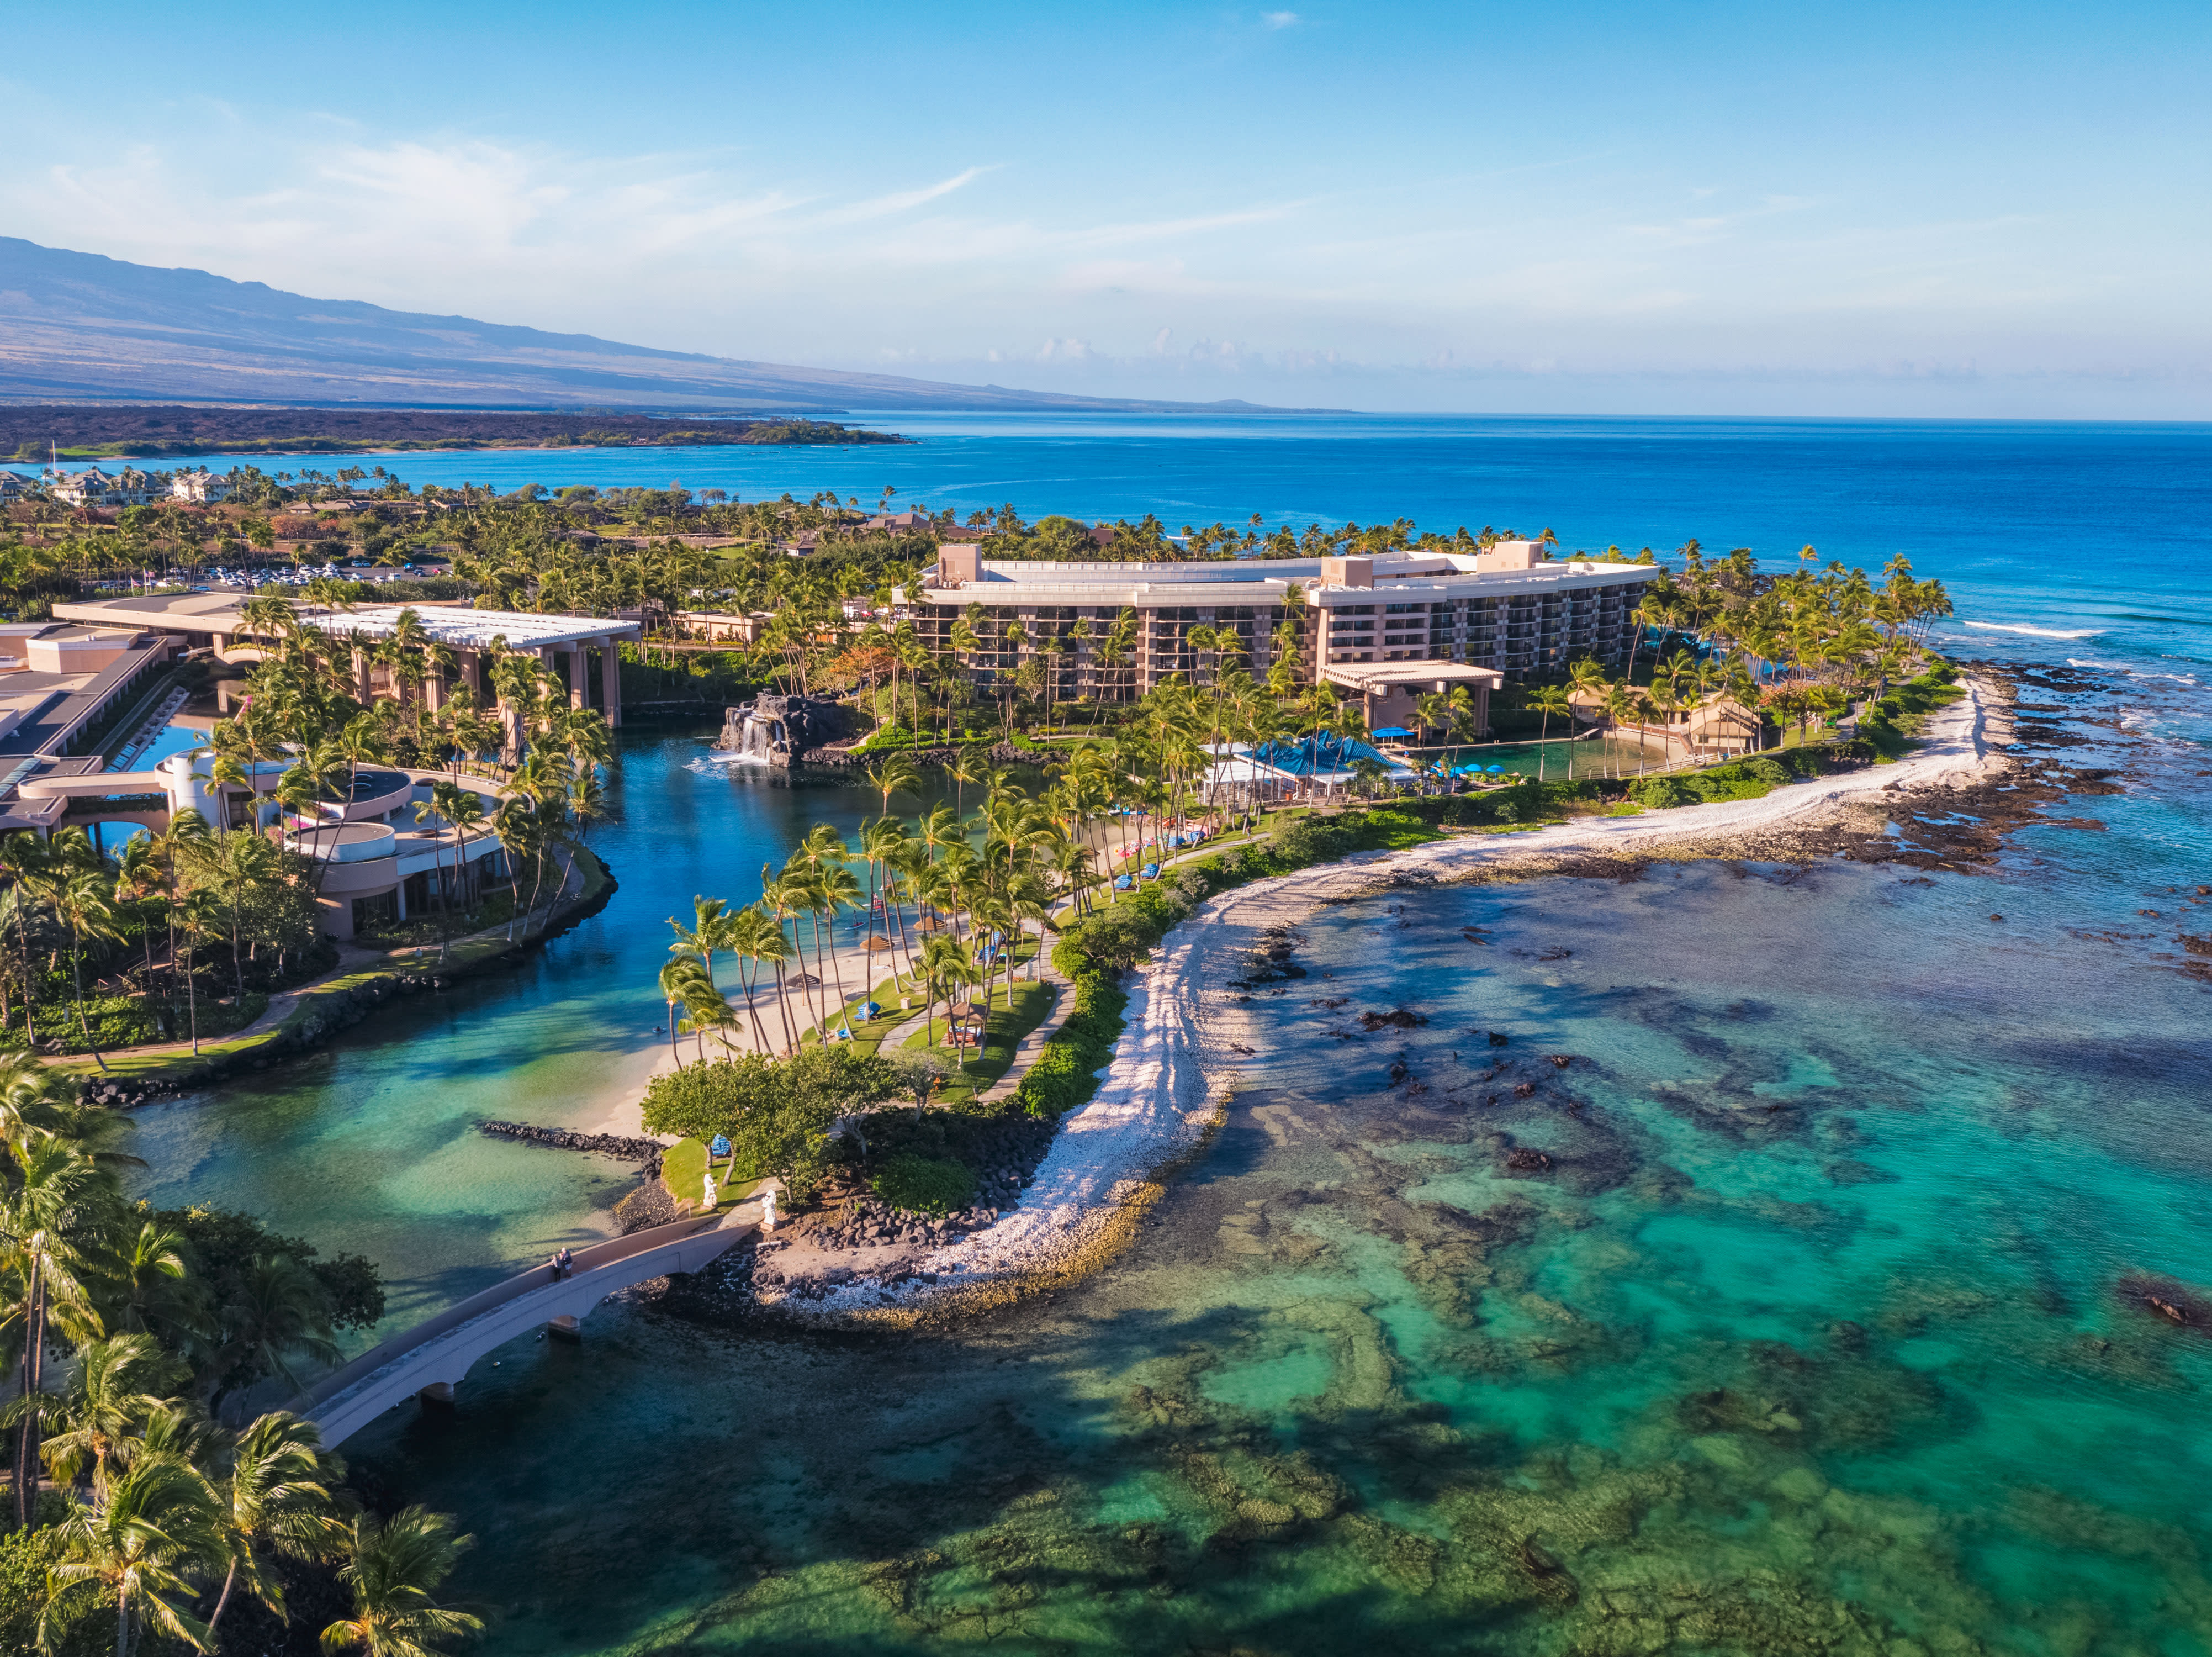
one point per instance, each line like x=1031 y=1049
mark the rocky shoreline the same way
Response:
x=998 y=753
x=334 y=1011
x=645 y=1152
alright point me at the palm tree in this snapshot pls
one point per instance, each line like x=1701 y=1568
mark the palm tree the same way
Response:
x=964 y=768
x=394 y=1569
x=708 y=933
x=199 y=914
x=676 y=980
x=23 y=858
x=278 y=1497
x=137 y=1545
x=520 y=831
x=783 y=896
x=281 y=1311
x=836 y=887
x=1547 y=700
x=84 y=900
x=118 y=1385
x=750 y=935
x=944 y=961
x=157 y=1297
x=1620 y=707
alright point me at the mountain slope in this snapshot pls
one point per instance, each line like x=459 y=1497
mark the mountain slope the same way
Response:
x=80 y=326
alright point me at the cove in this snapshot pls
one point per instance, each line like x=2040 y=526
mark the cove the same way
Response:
x=370 y=1145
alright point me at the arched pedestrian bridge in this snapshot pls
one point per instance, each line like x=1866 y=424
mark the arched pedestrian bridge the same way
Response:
x=435 y=1356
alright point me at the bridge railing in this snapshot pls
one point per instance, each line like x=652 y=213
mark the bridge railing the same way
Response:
x=611 y=1253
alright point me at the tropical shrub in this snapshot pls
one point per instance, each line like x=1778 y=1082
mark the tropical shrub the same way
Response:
x=776 y=1114
x=1065 y=1075
x=924 y=1185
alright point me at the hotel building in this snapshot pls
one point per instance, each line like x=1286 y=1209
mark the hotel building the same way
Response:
x=1387 y=627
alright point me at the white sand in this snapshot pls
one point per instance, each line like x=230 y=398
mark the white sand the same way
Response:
x=1174 y=1063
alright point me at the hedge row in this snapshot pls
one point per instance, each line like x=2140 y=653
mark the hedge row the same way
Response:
x=1065 y=1075
x=1746 y=779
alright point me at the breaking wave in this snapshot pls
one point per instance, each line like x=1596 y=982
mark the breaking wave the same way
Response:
x=2039 y=633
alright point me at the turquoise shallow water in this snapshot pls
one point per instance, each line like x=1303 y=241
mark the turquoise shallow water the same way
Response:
x=1789 y=1316
x=1799 y=1323
x=370 y=1144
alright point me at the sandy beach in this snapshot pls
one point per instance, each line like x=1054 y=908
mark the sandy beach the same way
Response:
x=1176 y=1059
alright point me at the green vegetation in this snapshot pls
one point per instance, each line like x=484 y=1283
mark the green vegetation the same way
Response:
x=1890 y=724
x=776 y=1115
x=1010 y=1016
x=1065 y=1075
x=186 y=931
x=1745 y=779
x=132 y=1329
x=924 y=1185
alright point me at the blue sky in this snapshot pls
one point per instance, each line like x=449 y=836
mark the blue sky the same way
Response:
x=1632 y=208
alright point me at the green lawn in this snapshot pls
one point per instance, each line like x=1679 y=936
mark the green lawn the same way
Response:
x=683 y=1169
x=1005 y=1023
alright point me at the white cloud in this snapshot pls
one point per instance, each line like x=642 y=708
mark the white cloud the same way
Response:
x=1278 y=19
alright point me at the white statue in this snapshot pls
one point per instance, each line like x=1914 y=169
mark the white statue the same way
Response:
x=767 y=1210
x=708 y=1201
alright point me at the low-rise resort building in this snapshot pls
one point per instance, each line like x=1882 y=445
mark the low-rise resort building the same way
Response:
x=1390 y=627
x=66 y=691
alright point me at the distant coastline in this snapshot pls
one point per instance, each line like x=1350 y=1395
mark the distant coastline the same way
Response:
x=100 y=432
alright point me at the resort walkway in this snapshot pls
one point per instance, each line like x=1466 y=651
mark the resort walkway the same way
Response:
x=432 y=1358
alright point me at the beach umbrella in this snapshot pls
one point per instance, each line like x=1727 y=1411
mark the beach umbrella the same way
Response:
x=802 y=981
x=877 y=943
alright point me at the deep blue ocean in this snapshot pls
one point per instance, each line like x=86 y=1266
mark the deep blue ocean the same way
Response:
x=2095 y=536
x=1817 y=1324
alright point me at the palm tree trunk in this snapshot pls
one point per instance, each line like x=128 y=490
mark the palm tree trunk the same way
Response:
x=783 y=1008
x=223 y=1598
x=760 y=1035
x=26 y=1442
x=842 y=1004
x=77 y=981
x=23 y=941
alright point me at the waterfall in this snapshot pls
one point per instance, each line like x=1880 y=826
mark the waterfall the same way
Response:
x=749 y=738
x=755 y=744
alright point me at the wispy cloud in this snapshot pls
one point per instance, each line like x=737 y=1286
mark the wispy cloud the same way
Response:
x=898 y=202
x=1278 y=19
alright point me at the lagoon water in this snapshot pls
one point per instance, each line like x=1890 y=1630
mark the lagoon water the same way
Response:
x=1800 y=1323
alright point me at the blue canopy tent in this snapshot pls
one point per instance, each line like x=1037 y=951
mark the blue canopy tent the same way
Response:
x=1393 y=734
x=1320 y=753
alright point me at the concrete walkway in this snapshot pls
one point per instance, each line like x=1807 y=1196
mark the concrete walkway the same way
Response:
x=436 y=1354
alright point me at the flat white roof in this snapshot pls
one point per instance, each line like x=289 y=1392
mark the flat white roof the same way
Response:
x=1260 y=582
x=472 y=629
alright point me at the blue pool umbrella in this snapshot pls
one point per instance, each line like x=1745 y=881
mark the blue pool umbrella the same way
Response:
x=1495 y=769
